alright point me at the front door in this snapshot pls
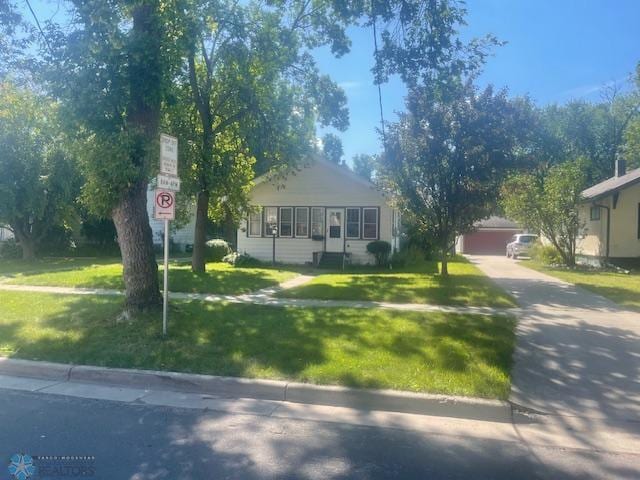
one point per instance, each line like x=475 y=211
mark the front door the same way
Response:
x=335 y=230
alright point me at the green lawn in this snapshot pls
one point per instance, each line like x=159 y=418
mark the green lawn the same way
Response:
x=622 y=288
x=466 y=285
x=424 y=352
x=220 y=278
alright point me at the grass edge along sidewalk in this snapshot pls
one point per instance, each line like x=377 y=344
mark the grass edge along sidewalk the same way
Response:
x=230 y=387
x=438 y=352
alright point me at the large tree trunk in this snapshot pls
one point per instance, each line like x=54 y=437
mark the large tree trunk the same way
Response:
x=198 y=258
x=26 y=244
x=130 y=214
x=136 y=244
x=444 y=263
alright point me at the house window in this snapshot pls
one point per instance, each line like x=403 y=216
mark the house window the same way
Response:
x=353 y=223
x=317 y=221
x=639 y=221
x=369 y=223
x=594 y=214
x=302 y=222
x=270 y=220
x=255 y=224
x=286 y=222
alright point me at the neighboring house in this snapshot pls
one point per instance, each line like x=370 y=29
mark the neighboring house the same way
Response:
x=610 y=213
x=490 y=237
x=5 y=234
x=323 y=211
x=182 y=237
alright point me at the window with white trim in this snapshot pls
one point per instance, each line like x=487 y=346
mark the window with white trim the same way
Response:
x=594 y=214
x=317 y=221
x=370 y=223
x=353 y=223
x=270 y=220
x=255 y=223
x=302 y=222
x=286 y=222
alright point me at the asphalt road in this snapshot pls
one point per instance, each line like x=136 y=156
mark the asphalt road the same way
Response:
x=131 y=441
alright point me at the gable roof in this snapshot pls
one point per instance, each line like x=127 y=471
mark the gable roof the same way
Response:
x=495 y=221
x=341 y=169
x=611 y=185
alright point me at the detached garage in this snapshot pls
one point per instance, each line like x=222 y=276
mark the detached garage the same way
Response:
x=490 y=238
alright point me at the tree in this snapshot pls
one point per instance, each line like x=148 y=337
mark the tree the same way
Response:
x=255 y=95
x=364 y=165
x=332 y=148
x=38 y=184
x=547 y=201
x=111 y=69
x=446 y=157
x=15 y=36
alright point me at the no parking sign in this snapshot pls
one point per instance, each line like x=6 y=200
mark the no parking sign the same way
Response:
x=164 y=205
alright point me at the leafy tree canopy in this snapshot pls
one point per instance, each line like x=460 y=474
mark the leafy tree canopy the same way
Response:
x=447 y=155
x=547 y=201
x=38 y=184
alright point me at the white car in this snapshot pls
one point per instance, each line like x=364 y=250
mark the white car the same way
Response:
x=520 y=245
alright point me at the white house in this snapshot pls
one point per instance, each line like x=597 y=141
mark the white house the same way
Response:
x=321 y=211
x=5 y=233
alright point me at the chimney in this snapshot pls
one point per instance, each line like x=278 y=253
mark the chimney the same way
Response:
x=621 y=167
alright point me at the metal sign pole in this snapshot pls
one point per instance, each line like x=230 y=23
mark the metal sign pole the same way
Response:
x=165 y=301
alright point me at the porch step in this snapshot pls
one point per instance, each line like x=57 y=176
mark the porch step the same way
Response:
x=333 y=260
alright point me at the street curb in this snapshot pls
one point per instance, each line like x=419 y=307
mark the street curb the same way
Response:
x=234 y=387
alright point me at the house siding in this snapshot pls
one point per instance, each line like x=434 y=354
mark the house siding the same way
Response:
x=319 y=185
x=624 y=226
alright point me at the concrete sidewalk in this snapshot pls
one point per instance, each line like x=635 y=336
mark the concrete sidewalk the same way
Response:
x=265 y=297
x=577 y=353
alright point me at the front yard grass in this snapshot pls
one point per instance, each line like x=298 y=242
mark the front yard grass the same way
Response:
x=622 y=288
x=466 y=285
x=422 y=352
x=220 y=278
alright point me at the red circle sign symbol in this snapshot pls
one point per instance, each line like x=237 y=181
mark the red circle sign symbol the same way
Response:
x=164 y=200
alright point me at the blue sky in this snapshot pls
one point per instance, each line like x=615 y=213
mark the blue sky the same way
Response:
x=556 y=51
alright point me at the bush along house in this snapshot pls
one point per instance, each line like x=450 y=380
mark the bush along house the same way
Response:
x=322 y=214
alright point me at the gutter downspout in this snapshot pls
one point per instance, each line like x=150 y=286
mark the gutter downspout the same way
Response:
x=606 y=255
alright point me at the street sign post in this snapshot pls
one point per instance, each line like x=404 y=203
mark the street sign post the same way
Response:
x=168 y=184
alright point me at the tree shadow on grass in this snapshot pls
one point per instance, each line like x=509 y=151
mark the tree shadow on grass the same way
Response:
x=320 y=345
x=463 y=289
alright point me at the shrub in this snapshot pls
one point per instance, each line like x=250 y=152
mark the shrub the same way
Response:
x=411 y=257
x=217 y=249
x=241 y=260
x=9 y=249
x=545 y=254
x=381 y=251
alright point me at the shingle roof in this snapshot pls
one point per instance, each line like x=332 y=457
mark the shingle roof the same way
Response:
x=497 y=222
x=611 y=185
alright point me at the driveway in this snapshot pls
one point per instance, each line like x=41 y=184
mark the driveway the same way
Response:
x=577 y=353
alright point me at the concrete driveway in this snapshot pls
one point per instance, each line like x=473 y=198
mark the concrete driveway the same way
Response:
x=577 y=353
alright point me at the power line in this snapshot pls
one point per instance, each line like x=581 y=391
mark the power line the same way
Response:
x=375 y=45
x=46 y=40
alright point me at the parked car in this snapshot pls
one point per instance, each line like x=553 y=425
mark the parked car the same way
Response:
x=520 y=245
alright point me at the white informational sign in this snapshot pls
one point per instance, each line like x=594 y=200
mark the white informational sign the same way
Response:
x=164 y=205
x=168 y=182
x=168 y=154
